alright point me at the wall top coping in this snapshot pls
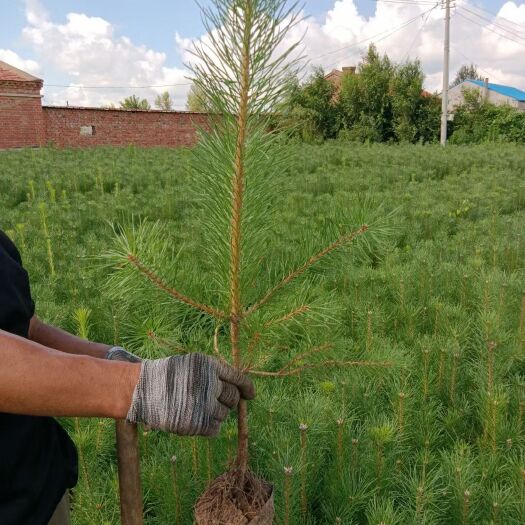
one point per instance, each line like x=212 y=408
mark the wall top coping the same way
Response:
x=121 y=110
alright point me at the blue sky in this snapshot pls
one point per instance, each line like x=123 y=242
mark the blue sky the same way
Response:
x=40 y=36
x=152 y=23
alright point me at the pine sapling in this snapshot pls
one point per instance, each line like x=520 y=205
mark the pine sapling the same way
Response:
x=303 y=428
x=288 y=473
x=176 y=490
x=242 y=72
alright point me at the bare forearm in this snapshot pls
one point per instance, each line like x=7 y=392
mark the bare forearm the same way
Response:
x=36 y=380
x=53 y=337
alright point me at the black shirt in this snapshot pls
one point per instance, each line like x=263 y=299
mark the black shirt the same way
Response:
x=37 y=458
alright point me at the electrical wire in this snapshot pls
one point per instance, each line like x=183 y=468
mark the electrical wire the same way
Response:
x=116 y=87
x=521 y=27
x=458 y=50
x=420 y=30
x=503 y=28
x=406 y=2
x=489 y=29
x=374 y=38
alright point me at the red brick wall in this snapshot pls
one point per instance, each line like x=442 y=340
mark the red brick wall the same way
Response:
x=21 y=118
x=120 y=128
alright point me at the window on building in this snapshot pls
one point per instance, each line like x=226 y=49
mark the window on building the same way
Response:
x=87 y=131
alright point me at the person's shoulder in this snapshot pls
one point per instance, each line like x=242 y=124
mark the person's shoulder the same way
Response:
x=8 y=245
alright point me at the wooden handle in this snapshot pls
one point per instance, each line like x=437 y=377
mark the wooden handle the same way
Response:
x=131 y=512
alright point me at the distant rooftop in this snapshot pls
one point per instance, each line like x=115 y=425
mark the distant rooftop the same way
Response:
x=11 y=73
x=507 y=91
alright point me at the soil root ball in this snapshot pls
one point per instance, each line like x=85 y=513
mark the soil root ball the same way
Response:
x=228 y=501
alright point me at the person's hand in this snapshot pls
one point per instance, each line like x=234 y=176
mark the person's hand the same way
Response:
x=187 y=395
x=117 y=353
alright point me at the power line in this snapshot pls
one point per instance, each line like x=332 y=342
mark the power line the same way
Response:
x=374 y=37
x=116 y=87
x=420 y=30
x=503 y=28
x=495 y=15
x=406 y=2
x=489 y=29
x=458 y=50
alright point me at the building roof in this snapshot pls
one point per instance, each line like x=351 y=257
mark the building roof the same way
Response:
x=506 y=91
x=13 y=74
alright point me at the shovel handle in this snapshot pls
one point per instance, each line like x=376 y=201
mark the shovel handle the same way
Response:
x=131 y=511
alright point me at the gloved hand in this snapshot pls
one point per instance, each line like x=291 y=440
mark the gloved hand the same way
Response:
x=187 y=395
x=117 y=353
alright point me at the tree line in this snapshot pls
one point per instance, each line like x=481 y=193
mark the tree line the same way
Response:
x=382 y=101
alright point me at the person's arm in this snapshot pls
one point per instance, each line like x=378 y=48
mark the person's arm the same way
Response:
x=35 y=380
x=53 y=337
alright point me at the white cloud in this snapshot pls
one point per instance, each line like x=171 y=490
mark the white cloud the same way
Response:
x=6 y=55
x=342 y=35
x=87 y=50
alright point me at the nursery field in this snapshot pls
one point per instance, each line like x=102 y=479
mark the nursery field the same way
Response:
x=435 y=435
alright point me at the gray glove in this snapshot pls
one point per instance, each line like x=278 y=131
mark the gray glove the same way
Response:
x=187 y=395
x=117 y=353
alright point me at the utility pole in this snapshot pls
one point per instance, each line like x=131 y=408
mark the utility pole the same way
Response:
x=446 y=57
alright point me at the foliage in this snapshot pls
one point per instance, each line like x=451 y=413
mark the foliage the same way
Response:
x=448 y=451
x=466 y=72
x=382 y=102
x=312 y=108
x=196 y=101
x=366 y=98
x=477 y=120
x=134 y=102
x=164 y=101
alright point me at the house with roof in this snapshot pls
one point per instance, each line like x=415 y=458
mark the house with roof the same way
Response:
x=21 y=118
x=336 y=75
x=494 y=93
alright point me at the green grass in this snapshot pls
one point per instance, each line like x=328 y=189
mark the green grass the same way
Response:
x=437 y=439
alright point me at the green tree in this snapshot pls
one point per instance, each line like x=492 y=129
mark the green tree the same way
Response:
x=366 y=101
x=406 y=87
x=236 y=173
x=313 y=107
x=466 y=72
x=134 y=102
x=196 y=100
x=386 y=101
x=164 y=101
x=415 y=112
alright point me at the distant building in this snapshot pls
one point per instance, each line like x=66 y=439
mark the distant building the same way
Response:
x=24 y=122
x=336 y=78
x=494 y=93
x=21 y=119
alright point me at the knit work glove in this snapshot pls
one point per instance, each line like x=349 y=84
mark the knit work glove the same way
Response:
x=117 y=353
x=187 y=395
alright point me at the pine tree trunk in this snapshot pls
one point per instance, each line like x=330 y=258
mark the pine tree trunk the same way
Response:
x=235 y=241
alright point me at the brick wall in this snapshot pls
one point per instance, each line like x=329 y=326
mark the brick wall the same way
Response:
x=21 y=118
x=85 y=127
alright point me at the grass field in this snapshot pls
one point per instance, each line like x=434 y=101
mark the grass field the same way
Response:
x=438 y=438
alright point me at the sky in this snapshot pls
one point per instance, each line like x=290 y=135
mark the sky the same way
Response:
x=96 y=52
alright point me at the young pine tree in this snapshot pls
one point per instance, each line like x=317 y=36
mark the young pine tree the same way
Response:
x=242 y=312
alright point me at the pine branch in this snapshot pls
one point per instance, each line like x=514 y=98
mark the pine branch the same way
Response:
x=323 y=364
x=310 y=262
x=163 y=343
x=159 y=283
x=308 y=353
x=289 y=316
